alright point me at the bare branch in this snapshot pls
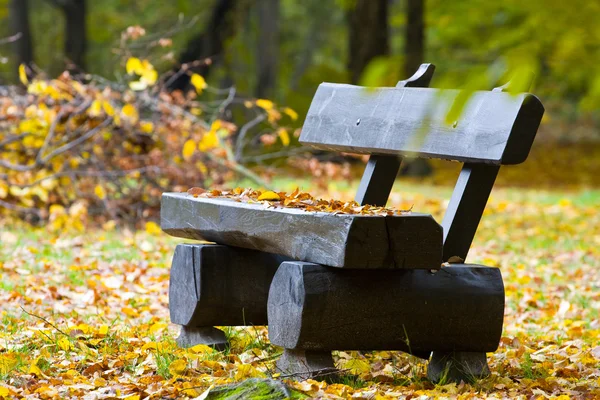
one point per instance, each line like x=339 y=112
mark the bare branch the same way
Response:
x=18 y=208
x=12 y=38
x=77 y=141
x=239 y=143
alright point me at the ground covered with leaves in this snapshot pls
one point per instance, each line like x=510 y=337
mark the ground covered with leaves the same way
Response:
x=86 y=315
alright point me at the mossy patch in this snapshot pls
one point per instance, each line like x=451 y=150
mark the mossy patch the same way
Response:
x=255 y=389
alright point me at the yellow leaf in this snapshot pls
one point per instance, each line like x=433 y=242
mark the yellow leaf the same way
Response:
x=131 y=113
x=100 y=192
x=57 y=209
x=37 y=87
x=284 y=136
x=357 y=366
x=159 y=326
x=201 y=167
x=103 y=330
x=133 y=65
x=269 y=196
x=290 y=113
x=4 y=392
x=100 y=382
x=3 y=190
x=247 y=371
x=64 y=344
x=133 y=397
x=209 y=141
x=178 y=367
x=146 y=127
x=150 y=76
x=138 y=85
x=189 y=148
x=95 y=109
x=35 y=370
x=150 y=345
x=264 y=104
x=108 y=108
x=198 y=82
x=23 y=75
x=200 y=348
x=216 y=125
x=130 y=312
x=152 y=228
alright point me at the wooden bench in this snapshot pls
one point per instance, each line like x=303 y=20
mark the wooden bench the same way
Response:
x=326 y=282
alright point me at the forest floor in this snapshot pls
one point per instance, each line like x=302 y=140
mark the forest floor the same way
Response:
x=86 y=314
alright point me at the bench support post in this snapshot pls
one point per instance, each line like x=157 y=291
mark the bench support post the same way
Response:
x=218 y=285
x=190 y=336
x=306 y=364
x=457 y=366
x=466 y=207
x=381 y=171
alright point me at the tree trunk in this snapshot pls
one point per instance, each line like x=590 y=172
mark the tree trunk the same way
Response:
x=413 y=56
x=414 y=36
x=268 y=46
x=369 y=38
x=209 y=43
x=19 y=17
x=75 y=33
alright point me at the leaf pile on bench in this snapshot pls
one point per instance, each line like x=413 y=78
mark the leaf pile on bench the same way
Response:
x=297 y=199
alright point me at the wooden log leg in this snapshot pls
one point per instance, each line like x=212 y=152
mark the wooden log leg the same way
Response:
x=457 y=366
x=306 y=364
x=218 y=285
x=459 y=308
x=210 y=336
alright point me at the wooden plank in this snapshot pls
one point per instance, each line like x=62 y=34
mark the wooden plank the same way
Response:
x=381 y=171
x=377 y=180
x=458 y=308
x=345 y=241
x=218 y=285
x=466 y=207
x=493 y=127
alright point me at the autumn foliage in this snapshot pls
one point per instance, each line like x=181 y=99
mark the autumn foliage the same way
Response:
x=77 y=147
x=296 y=199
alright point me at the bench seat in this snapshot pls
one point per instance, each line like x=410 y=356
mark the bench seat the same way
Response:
x=407 y=241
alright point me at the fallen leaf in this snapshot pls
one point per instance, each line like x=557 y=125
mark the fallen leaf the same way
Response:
x=269 y=196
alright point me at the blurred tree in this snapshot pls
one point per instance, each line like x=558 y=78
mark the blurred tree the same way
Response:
x=414 y=43
x=268 y=47
x=210 y=43
x=75 y=36
x=19 y=18
x=368 y=34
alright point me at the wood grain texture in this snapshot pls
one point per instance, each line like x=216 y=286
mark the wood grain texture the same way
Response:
x=219 y=285
x=459 y=308
x=493 y=127
x=381 y=170
x=409 y=241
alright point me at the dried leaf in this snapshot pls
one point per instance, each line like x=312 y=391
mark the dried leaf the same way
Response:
x=269 y=196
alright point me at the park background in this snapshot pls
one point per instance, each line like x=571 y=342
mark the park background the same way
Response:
x=106 y=104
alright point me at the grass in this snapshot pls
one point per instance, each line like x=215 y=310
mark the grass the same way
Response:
x=113 y=287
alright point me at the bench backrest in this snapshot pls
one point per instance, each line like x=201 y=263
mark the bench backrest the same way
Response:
x=493 y=127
